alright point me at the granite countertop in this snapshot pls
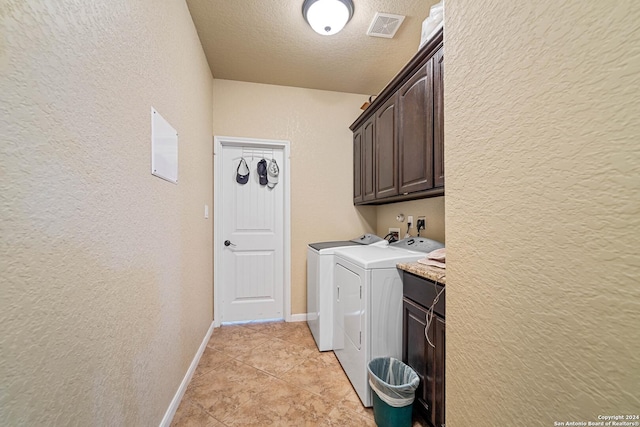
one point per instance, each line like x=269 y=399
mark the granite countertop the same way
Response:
x=426 y=271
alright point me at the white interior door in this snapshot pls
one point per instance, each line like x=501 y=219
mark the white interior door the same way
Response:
x=252 y=262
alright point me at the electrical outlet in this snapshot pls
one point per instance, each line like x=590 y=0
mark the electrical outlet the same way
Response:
x=410 y=221
x=422 y=223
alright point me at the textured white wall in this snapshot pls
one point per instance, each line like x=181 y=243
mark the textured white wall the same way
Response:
x=317 y=124
x=105 y=270
x=542 y=211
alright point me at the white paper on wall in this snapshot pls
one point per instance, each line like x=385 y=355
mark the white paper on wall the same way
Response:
x=164 y=148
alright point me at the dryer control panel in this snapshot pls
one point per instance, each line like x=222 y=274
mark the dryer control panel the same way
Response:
x=418 y=244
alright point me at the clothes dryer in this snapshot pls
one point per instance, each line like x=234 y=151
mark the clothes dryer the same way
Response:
x=368 y=305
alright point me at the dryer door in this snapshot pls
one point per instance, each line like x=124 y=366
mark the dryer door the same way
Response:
x=350 y=284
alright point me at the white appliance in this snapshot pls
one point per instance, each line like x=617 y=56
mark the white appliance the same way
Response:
x=320 y=287
x=368 y=305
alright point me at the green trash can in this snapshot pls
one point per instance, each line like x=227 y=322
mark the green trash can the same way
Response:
x=394 y=387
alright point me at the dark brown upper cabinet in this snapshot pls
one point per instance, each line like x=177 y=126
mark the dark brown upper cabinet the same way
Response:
x=387 y=149
x=416 y=131
x=438 y=118
x=400 y=136
x=368 y=161
x=357 y=167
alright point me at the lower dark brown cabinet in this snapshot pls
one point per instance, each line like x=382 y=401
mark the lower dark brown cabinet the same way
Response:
x=427 y=361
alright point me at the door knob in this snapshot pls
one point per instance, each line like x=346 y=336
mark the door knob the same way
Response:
x=228 y=243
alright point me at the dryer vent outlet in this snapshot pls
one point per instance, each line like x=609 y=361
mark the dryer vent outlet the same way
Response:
x=385 y=25
x=395 y=232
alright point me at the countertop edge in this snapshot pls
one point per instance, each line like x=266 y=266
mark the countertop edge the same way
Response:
x=434 y=274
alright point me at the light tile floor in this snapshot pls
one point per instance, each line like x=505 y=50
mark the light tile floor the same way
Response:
x=261 y=374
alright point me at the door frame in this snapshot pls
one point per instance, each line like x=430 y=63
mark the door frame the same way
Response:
x=285 y=174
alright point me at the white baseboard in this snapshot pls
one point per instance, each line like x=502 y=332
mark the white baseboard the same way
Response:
x=301 y=317
x=175 y=402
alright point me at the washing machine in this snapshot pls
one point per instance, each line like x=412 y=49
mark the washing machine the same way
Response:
x=368 y=305
x=320 y=286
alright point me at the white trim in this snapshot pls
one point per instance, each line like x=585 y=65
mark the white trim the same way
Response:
x=300 y=317
x=177 y=398
x=285 y=173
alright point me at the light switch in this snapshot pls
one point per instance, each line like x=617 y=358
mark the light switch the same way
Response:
x=206 y=211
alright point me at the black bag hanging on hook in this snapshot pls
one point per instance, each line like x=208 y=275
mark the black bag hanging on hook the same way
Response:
x=242 y=173
x=262 y=171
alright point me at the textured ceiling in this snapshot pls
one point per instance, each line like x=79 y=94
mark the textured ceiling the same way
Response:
x=269 y=42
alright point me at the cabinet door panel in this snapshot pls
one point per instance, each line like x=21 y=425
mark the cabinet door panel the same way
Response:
x=386 y=150
x=357 y=166
x=438 y=118
x=368 y=159
x=438 y=327
x=416 y=131
x=427 y=361
x=414 y=351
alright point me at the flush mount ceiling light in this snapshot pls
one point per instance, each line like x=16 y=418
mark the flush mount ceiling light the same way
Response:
x=327 y=17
